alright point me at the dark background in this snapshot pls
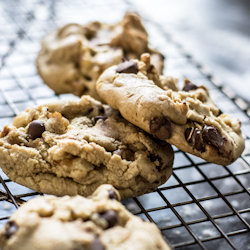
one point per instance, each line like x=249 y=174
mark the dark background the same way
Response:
x=215 y=32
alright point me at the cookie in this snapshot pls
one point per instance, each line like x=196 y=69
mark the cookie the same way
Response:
x=98 y=222
x=186 y=118
x=73 y=57
x=72 y=147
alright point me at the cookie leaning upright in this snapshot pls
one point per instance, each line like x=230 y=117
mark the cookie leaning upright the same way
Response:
x=186 y=118
x=98 y=222
x=72 y=147
x=73 y=57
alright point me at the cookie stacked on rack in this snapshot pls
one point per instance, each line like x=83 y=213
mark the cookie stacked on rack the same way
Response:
x=72 y=147
x=186 y=118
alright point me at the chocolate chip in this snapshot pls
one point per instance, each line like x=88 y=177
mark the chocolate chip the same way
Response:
x=11 y=228
x=36 y=128
x=86 y=89
x=151 y=66
x=87 y=78
x=98 y=117
x=194 y=138
x=160 y=127
x=97 y=245
x=125 y=154
x=89 y=111
x=101 y=109
x=212 y=136
x=127 y=67
x=110 y=216
x=154 y=158
x=188 y=133
x=220 y=112
x=113 y=195
x=189 y=86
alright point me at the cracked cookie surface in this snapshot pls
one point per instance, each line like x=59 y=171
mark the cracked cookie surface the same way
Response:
x=72 y=147
x=73 y=57
x=98 y=222
x=186 y=118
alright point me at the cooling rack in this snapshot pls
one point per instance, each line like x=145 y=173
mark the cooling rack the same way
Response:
x=203 y=205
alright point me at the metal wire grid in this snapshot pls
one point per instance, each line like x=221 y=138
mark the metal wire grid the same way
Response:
x=203 y=205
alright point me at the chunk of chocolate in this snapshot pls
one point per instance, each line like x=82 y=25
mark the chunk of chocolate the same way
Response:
x=11 y=228
x=189 y=86
x=88 y=112
x=151 y=66
x=111 y=217
x=125 y=154
x=113 y=195
x=36 y=128
x=212 y=136
x=194 y=138
x=154 y=158
x=188 y=133
x=98 y=117
x=127 y=67
x=220 y=112
x=161 y=128
x=97 y=244
x=101 y=109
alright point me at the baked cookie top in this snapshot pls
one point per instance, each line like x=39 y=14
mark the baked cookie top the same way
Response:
x=72 y=147
x=73 y=57
x=98 y=222
x=186 y=118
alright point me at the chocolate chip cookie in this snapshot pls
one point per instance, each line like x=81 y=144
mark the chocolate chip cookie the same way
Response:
x=73 y=57
x=98 y=222
x=72 y=147
x=187 y=118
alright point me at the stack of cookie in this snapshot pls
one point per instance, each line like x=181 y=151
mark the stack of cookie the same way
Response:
x=72 y=147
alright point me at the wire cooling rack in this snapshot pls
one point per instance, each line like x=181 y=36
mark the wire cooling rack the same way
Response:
x=203 y=205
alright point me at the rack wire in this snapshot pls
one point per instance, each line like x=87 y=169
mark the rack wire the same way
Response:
x=203 y=205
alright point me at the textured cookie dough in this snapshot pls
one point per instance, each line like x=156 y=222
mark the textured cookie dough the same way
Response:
x=73 y=57
x=186 y=118
x=72 y=147
x=99 y=222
